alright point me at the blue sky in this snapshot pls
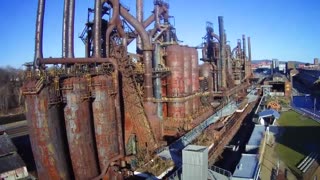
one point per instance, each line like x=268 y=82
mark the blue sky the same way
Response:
x=283 y=29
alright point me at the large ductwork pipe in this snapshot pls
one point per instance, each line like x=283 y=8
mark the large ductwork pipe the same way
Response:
x=65 y=29
x=97 y=29
x=39 y=32
x=147 y=51
x=139 y=9
x=70 y=53
x=115 y=22
x=222 y=62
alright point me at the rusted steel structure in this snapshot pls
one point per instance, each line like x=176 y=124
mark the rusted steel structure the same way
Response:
x=95 y=117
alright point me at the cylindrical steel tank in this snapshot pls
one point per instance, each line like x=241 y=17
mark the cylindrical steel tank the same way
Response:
x=175 y=88
x=47 y=135
x=195 y=86
x=105 y=122
x=187 y=75
x=78 y=119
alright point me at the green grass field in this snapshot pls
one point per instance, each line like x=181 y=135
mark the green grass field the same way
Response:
x=300 y=138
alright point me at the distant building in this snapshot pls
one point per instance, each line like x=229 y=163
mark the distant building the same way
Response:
x=282 y=68
x=316 y=61
x=275 y=63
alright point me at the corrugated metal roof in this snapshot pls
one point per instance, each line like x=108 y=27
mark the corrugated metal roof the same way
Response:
x=247 y=167
x=268 y=113
x=11 y=162
x=6 y=145
x=257 y=135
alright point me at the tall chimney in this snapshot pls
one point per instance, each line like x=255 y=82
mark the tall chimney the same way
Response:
x=244 y=47
x=39 y=32
x=97 y=29
x=139 y=9
x=222 y=62
x=249 y=49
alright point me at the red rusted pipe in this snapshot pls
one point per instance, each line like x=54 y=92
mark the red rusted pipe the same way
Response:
x=39 y=31
x=70 y=53
x=139 y=12
x=97 y=29
x=115 y=22
x=147 y=51
x=72 y=60
x=65 y=29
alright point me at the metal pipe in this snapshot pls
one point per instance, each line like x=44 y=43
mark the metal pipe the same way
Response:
x=65 y=29
x=249 y=49
x=222 y=68
x=214 y=35
x=139 y=9
x=39 y=32
x=71 y=60
x=157 y=16
x=148 y=21
x=115 y=22
x=97 y=29
x=147 y=51
x=70 y=52
x=117 y=106
x=157 y=81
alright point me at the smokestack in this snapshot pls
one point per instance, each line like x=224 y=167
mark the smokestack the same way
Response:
x=222 y=62
x=139 y=9
x=244 y=47
x=39 y=32
x=249 y=49
x=65 y=29
x=244 y=55
x=70 y=53
x=97 y=29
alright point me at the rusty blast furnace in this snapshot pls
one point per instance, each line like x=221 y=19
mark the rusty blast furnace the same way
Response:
x=92 y=117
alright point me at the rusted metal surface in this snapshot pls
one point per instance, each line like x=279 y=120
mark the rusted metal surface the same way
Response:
x=136 y=121
x=195 y=86
x=139 y=12
x=72 y=60
x=175 y=87
x=71 y=29
x=147 y=53
x=206 y=71
x=78 y=120
x=97 y=29
x=105 y=122
x=187 y=76
x=39 y=31
x=47 y=136
x=65 y=29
